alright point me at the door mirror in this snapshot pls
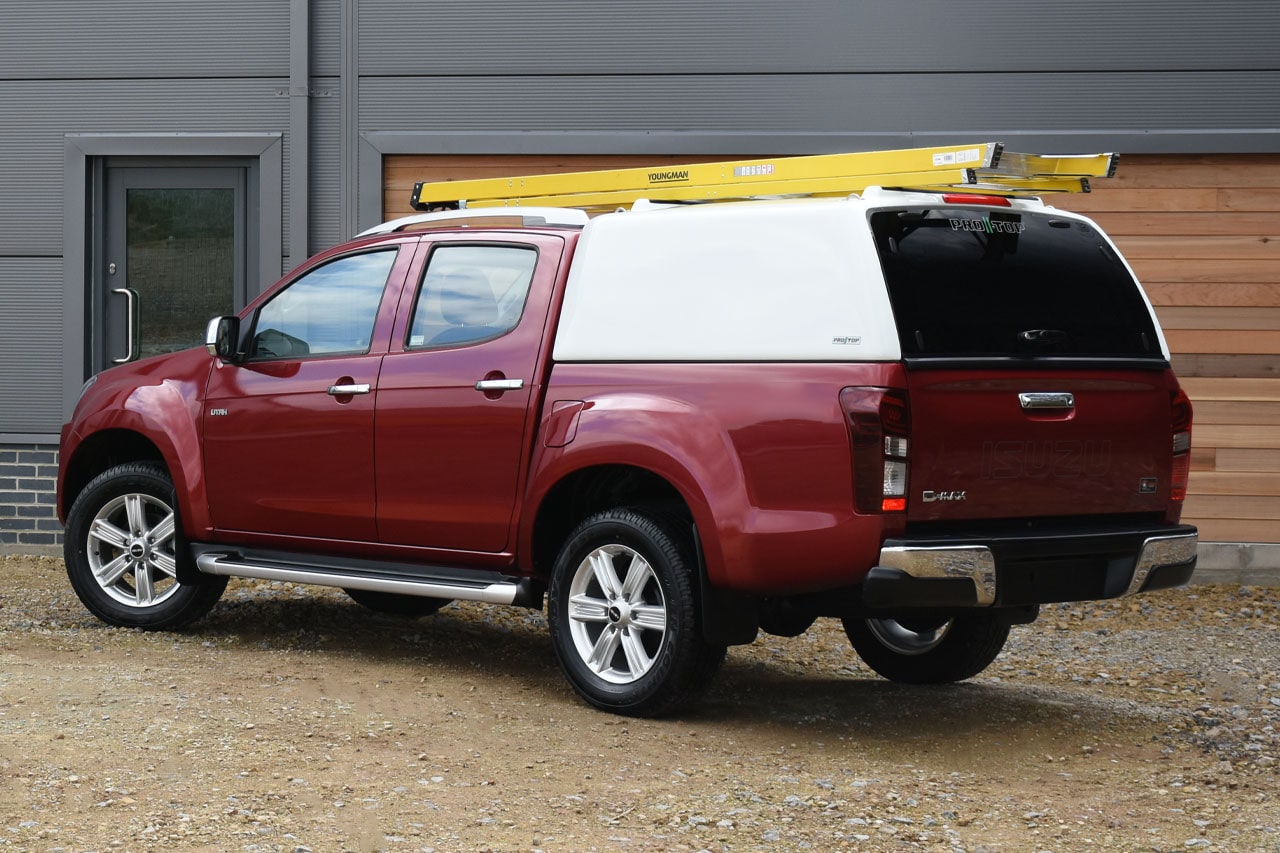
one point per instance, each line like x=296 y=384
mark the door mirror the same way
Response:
x=222 y=338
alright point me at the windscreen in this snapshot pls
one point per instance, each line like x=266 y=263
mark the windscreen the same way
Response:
x=977 y=283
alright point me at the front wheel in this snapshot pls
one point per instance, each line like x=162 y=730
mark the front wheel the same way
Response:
x=623 y=616
x=928 y=650
x=122 y=547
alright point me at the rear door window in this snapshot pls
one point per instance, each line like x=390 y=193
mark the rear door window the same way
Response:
x=983 y=282
x=471 y=294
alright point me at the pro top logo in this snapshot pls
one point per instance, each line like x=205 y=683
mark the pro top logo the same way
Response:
x=986 y=225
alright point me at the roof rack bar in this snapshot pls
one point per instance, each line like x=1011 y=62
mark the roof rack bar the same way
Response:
x=530 y=217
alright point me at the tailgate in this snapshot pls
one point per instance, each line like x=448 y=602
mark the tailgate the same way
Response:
x=1037 y=443
x=1039 y=383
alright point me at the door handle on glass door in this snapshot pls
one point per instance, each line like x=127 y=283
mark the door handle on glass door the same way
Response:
x=132 y=344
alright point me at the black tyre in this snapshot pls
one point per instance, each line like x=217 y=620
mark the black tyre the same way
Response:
x=624 y=617
x=928 y=651
x=123 y=545
x=395 y=604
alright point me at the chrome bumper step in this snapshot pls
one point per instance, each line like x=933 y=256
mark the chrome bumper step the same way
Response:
x=1031 y=568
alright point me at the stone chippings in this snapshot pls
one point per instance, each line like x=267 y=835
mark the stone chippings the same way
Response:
x=290 y=719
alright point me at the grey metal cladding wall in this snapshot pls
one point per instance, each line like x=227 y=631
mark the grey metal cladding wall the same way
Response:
x=78 y=39
x=511 y=37
x=855 y=104
x=325 y=223
x=31 y=344
x=326 y=38
x=39 y=112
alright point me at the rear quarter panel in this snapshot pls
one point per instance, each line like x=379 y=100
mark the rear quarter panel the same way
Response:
x=760 y=453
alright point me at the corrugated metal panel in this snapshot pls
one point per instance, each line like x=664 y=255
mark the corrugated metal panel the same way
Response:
x=144 y=38
x=31 y=345
x=39 y=113
x=768 y=37
x=326 y=189
x=326 y=38
x=984 y=104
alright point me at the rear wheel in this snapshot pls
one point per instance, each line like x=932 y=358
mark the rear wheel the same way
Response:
x=123 y=545
x=623 y=616
x=928 y=651
x=395 y=604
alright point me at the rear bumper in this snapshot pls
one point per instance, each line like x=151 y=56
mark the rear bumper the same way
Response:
x=1023 y=569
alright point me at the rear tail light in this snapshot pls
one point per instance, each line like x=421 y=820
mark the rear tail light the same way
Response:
x=880 y=428
x=1181 y=410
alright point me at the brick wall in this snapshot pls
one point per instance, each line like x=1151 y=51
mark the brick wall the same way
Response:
x=28 y=481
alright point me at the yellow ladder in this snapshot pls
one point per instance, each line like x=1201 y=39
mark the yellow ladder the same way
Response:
x=985 y=168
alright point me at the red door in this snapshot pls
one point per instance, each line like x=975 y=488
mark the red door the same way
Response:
x=453 y=407
x=289 y=432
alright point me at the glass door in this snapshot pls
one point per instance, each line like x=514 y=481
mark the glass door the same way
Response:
x=174 y=241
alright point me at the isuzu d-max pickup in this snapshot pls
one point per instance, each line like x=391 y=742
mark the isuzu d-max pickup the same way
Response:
x=926 y=415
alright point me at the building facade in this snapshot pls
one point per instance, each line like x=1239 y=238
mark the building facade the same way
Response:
x=163 y=162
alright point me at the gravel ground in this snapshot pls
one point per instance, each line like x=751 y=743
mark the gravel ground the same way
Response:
x=290 y=719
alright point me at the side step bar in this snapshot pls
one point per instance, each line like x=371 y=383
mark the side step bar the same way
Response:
x=486 y=586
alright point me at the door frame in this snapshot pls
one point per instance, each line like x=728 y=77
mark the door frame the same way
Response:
x=83 y=195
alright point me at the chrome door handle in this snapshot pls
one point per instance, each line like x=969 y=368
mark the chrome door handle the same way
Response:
x=1047 y=400
x=132 y=343
x=348 y=390
x=499 y=384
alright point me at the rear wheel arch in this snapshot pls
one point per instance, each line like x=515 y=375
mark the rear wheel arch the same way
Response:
x=587 y=491
x=727 y=618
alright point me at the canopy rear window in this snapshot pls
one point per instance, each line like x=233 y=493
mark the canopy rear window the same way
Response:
x=982 y=282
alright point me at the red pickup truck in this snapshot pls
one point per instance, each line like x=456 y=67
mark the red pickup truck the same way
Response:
x=923 y=414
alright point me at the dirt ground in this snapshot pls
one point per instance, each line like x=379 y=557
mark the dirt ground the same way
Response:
x=291 y=719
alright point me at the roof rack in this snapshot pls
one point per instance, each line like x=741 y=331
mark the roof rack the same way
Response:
x=983 y=167
x=530 y=217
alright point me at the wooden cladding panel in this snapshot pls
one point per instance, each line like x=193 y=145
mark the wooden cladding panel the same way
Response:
x=1235 y=248
x=1203 y=235
x=1223 y=341
x=1186 y=317
x=1245 y=507
x=1236 y=412
x=1234 y=530
x=1239 y=366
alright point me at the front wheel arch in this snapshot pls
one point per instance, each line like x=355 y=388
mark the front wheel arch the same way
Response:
x=101 y=452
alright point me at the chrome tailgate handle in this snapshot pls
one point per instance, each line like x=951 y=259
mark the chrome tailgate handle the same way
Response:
x=348 y=390
x=1047 y=400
